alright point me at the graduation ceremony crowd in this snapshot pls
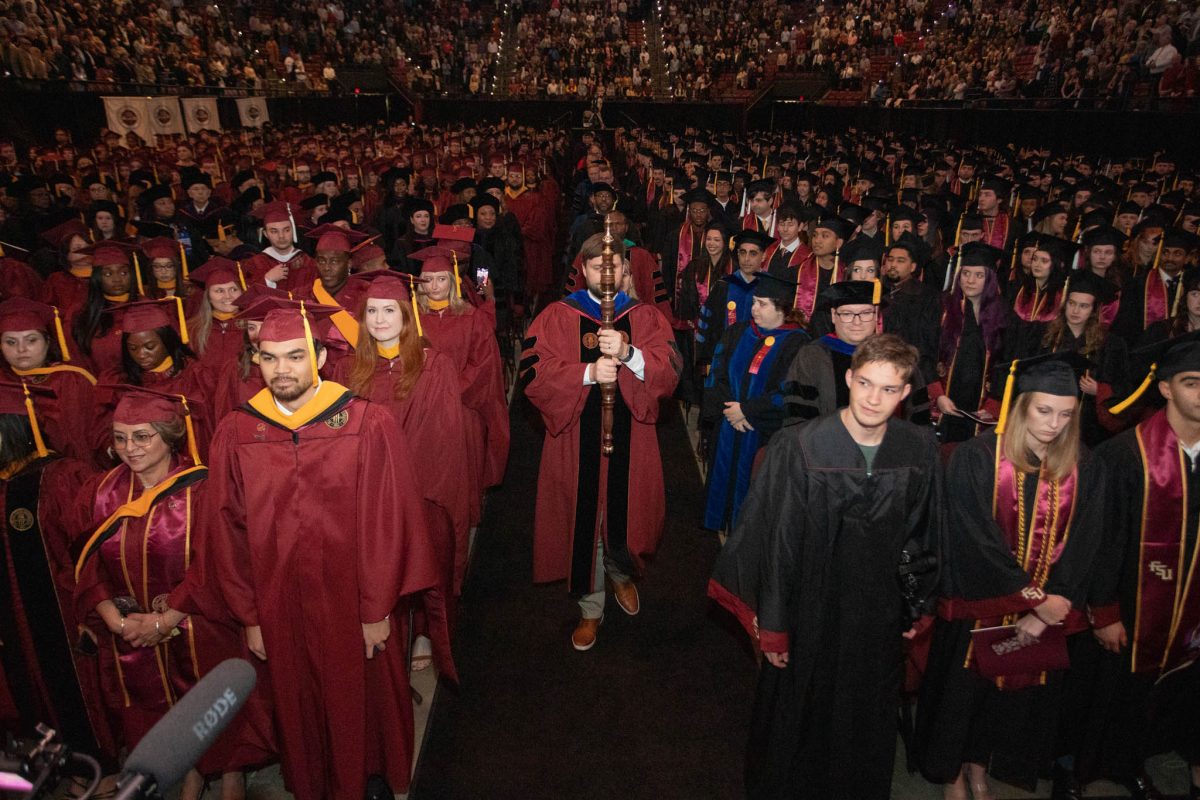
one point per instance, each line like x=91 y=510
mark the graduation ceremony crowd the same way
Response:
x=256 y=389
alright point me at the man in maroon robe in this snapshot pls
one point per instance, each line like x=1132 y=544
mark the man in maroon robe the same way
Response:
x=596 y=514
x=531 y=211
x=282 y=265
x=318 y=534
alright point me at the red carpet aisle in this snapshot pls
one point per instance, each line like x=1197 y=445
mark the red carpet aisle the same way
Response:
x=658 y=709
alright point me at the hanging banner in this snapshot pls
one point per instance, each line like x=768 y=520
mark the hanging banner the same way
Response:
x=253 y=111
x=129 y=115
x=200 y=114
x=165 y=118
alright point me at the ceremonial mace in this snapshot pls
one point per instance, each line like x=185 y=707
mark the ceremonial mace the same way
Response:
x=608 y=311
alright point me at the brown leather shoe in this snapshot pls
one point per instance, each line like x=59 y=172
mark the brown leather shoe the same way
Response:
x=627 y=597
x=584 y=637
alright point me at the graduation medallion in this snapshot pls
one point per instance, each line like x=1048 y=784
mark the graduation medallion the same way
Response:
x=591 y=341
x=21 y=519
x=338 y=420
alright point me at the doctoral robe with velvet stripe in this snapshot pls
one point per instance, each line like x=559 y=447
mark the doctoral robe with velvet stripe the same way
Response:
x=313 y=532
x=581 y=494
x=49 y=679
x=740 y=374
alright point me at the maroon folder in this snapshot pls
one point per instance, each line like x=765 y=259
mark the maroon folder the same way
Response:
x=998 y=653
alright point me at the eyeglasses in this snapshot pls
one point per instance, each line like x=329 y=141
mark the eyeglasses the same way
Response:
x=854 y=316
x=140 y=439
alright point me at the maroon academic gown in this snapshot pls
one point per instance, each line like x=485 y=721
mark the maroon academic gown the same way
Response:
x=224 y=344
x=231 y=390
x=144 y=560
x=302 y=271
x=530 y=209
x=434 y=423
x=470 y=342
x=68 y=420
x=65 y=291
x=314 y=531
x=18 y=279
x=576 y=484
x=60 y=685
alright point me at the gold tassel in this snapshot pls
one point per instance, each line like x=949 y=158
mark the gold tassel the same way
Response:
x=62 y=337
x=38 y=442
x=877 y=292
x=183 y=331
x=887 y=230
x=137 y=274
x=241 y=276
x=1138 y=392
x=220 y=232
x=191 y=433
x=183 y=258
x=1009 y=385
x=412 y=296
x=457 y=280
x=308 y=342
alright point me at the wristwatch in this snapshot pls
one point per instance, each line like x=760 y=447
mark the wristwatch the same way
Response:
x=628 y=356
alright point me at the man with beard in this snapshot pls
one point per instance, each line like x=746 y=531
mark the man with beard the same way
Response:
x=302 y=472
x=914 y=308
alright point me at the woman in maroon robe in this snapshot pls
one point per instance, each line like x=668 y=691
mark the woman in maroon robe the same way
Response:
x=96 y=325
x=34 y=349
x=51 y=679
x=393 y=367
x=466 y=335
x=151 y=654
x=156 y=356
x=215 y=336
x=67 y=289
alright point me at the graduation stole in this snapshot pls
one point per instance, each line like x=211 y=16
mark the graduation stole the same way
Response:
x=1167 y=612
x=687 y=246
x=997 y=236
x=948 y=378
x=137 y=508
x=1156 y=305
x=1038 y=305
x=1108 y=311
x=797 y=256
x=1039 y=547
x=342 y=320
x=50 y=370
x=750 y=222
x=808 y=281
x=328 y=396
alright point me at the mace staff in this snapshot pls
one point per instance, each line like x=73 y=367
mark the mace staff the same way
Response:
x=608 y=312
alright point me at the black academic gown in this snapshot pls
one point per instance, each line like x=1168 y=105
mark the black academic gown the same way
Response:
x=962 y=716
x=914 y=312
x=814 y=558
x=1122 y=717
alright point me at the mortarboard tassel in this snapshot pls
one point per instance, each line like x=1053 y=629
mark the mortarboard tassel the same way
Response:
x=457 y=279
x=1006 y=403
x=887 y=230
x=193 y=451
x=220 y=232
x=183 y=331
x=308 y=342
x=38 y=441
x=241 y=276
x=137 y=274
x=877 y=292
x=62 y=337
x=183 y=267
x=1138 y=392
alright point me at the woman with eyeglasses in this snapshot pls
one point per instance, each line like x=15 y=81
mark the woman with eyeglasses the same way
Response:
x=131 y=586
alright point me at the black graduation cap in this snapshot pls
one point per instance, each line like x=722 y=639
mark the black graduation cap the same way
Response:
x=970 y=222
x=1085 y=282
x=193 y=176
x=158 y=192
x=853 y=213
x=864 y=248
x=152 y=230
x=314 y=201
x=1060 y=249
x=1057 y=374
x=1178 y=237
x=322 y=177
x=1029 y=192
x=699 y=196
x=903 y=213
x=850 y=293
x=842 y=228
x=997 y=184
x=455 y=213
x=762 y=240
x=1102 y=236
x=979 y=254
x=601 y=187
x=1167 y=359
x=776 y=288
x=485 y=199
x=1048 y=210
x=760 y=186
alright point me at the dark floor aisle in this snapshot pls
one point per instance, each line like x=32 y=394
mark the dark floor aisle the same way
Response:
x=658 y=709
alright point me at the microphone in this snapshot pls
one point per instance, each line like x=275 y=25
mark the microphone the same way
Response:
x=178 y=740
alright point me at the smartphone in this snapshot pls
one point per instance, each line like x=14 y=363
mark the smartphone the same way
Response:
x=481 y=276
